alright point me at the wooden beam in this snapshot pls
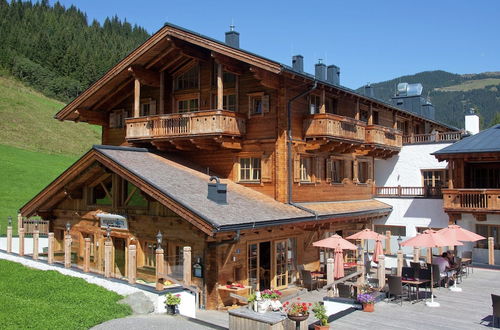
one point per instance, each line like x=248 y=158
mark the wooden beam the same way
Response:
x=266 y=78
x=162 y=93
x=190 y=50
x=145 y=76
x=137 y=98
x=159 y=58
x=111 y=95
x=220 y=87
x=91 y=117
x=228 y=63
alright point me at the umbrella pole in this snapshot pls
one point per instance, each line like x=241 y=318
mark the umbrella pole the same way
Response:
x=432 y=303
x=454 y=287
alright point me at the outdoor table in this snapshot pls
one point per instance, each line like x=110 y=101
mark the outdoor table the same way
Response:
x=416 y=283
x=224 y=293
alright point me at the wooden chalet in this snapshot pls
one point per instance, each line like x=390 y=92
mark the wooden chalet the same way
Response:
x=296 y=152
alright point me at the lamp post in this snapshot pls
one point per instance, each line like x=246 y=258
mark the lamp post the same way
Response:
x=9 y=220
x=108 y=232
x=68 y=227
x=159 y=239
x=399 y=241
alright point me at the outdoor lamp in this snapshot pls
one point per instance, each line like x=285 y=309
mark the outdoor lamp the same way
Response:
x=159 y=238
x=36 y=225
x=108 y=231
x=399 y=241
x=68 y=227
x=9 y=219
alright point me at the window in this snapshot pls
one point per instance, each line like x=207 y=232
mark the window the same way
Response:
x=132 y=196
x=375 y=117
x=395 y=230
x=228 y=78
x=188 y=105
x=228 y=102
x=305 y=169
x=488 y=231
x=434 y=178
x=363 y=115
x=256 y=106
x=188 y=80
x=331 y=105
x=337 y=170
x=101 y=193
x=117 y=118
x=363 y=171
x=148 y=107
x=314 y=104
x=250 y=169
x=258 y=103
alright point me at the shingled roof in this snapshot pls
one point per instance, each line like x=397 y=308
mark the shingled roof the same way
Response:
x=485 y=141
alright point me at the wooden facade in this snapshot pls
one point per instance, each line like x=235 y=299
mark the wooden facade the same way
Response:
x=226 y=111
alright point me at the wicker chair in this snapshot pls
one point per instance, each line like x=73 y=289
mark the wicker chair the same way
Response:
x=468 y=264
x=396 y=287
x=307 y=281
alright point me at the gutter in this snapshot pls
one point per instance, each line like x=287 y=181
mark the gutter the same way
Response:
x=289 y=149
x=233 y=240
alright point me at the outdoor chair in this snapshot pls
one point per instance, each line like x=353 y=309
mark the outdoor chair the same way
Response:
x=416 y=268
x=307 y=281
x=495 y=299
x=460 y=269
x=438 y=279
x=344 y=290
x=468 y=264
x=396 y=288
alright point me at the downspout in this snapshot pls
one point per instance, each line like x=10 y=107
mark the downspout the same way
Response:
x=289 y=148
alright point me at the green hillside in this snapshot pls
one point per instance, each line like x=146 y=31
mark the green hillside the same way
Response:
x=452 y=94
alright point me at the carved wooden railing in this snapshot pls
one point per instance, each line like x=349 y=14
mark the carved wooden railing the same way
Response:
x=327 y=124
x=399 y=191
x=472 y=199
x=432 y=137
x=382 y=135
x=199 y=123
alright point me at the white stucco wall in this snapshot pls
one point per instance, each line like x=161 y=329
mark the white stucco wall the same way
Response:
x=468 y=222
x=404 y=168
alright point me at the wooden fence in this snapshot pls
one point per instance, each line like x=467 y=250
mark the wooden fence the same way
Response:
x=31 y=225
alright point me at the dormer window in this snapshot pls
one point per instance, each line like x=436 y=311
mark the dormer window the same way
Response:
x=188 y=80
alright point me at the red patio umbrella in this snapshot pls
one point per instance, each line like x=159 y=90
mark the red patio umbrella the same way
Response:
x=366 y=234
x=338 y=267
x=378 y=250
x=458 y=233
x=430 y=239
x=335 y=241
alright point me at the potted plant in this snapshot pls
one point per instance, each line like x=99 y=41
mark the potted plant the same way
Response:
x=368 y=302
x=252 y=302
x=273 y=297
x=297 y=311
x=319 y=311
x=172 y=300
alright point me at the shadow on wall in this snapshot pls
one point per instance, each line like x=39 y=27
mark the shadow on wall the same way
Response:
x=428 y=208
x=384 y=169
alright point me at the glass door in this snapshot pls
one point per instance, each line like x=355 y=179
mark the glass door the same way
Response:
x=253 y=266
x=281 y=264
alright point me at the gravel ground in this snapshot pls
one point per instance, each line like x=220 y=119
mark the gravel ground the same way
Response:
x=151 y=322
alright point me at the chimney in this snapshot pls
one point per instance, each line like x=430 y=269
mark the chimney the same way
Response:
x=298 y=63
x=217 y=192
x=333 y=74
x=320 y=70
x=232 y=37
x=472 y=122
x=369 y=91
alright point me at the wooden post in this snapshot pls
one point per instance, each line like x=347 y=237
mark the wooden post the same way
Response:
x=491 y=251
x=9 y=239
x=186 y=273
x=108 y=256
x=21 y=241
x=370 y=115
x=429 y=255
x=400 y=262
x=36 y=236
x=356 y=113
x=162 y=92
x=132 y=264
x=329 y=275
x=137 y=98
x=322 y=107
x=67 y=251
x=381 y=271
x=416 y=254
x=86 y=255
x=50 y=250
x=220 y=87
x=388 y=242
x=450 y=174
x=19 y=222
x=160 y=268
x=394 y=120
x=355 y=166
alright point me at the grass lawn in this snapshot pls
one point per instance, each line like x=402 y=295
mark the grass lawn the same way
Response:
x=39 y=299
x=23 y=174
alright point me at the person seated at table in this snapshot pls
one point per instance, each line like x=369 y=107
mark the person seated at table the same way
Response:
x=451 y=259
x=444 y=267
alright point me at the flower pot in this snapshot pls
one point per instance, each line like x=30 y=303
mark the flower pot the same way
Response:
x=171 y=309
x=275 y=304
x=368 y=307
x=262 y=306
x=298 y=318
x=321 y=327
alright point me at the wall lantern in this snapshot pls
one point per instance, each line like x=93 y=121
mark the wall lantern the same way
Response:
x=399 y=241
x=9 y=219
x=159 y=239
x=68 y=227
x=108 y=232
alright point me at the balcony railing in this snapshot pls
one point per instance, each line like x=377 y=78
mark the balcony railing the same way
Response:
x=472 y=199
x=399 y=191
x=432 y=138
x=330 y=125
x=189 y=124
x=381 y=135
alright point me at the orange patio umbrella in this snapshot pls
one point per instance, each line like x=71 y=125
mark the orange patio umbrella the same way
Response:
x=378 y=250
x=338 y=266
x=430 y=239
x=334 y=242
x=366 y=234
x=458 y=233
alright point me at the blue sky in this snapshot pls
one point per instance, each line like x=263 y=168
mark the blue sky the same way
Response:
x=371 y=41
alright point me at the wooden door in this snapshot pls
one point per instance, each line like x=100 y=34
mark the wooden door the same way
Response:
x=281 y=264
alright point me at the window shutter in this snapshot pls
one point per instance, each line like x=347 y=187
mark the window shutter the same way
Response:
x=265 y=103
x=266 y=163
x=318 y=168
x=112 y=119
x=152 y=107
x=329 y=167
x=249 y=106
x=296 y=168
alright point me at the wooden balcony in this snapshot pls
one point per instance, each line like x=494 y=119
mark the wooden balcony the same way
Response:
x=472 y=200
x=384 y=136
x=399 y=191
x=432 y=138
x=216 y=125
